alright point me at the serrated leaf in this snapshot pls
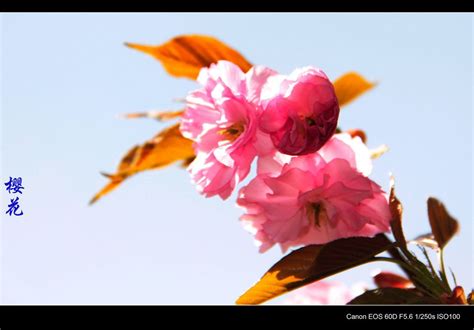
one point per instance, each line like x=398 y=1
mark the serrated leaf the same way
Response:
x=443 y=225
x=350 y=86
x=185 y=55
x=165 y=148
x=312 y=263
x=393 y=296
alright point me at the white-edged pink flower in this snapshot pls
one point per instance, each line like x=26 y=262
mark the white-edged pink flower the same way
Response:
x=324 y=293
x=316 y=198
x=222 y=119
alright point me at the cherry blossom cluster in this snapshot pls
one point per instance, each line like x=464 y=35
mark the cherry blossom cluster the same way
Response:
x=311 y=184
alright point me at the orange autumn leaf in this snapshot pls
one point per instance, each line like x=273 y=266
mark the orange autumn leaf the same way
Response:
x=312 y=263
x=184 y=56
x=350 y=86
x=457 y=297
x=353 y=132
x=158 y=115
x=165 y=148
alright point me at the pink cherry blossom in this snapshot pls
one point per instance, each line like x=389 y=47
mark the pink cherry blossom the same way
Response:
x=341 y=145
x=300 y=111
x=324 y=293
x=314 y=199
x=222 y=119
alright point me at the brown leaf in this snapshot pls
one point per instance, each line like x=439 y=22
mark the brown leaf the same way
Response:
x=470 y=298
x=167 y=147
x=158 y=115
x=396 y=210
x=457 y=297
x=185 y=55
x=312 y=263
x=443 y=225
x=353 y=132
x=393 y=296
x=350 y=86
x=186 y=162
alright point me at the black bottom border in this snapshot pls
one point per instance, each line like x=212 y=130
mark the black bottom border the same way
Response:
x=144 y=317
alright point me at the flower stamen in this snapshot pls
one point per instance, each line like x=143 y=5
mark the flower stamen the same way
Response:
x=316 y=213
x=232 y=132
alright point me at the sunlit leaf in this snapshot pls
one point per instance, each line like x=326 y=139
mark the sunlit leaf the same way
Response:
x=184 y=56
x=457 y=297
x=393 y=296
x=186 y=162
x=167 y=147
x=379 y=151
x=158 y=115
x=350 y=86
x=443 y=225
x=426 y=240
x=312 y=263
x=353 y=132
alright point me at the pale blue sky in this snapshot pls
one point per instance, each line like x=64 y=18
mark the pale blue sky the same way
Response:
x=66 y=77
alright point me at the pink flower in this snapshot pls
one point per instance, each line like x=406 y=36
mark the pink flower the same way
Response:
x=324 y=293
x=300 y=111
x=314 y=199
x=341 y=145
x=222 y=119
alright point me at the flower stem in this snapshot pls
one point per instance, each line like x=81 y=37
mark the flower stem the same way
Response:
x=398 y=262
x=443 y=269
x=424 y=279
